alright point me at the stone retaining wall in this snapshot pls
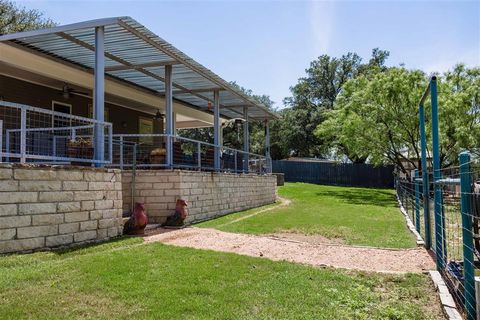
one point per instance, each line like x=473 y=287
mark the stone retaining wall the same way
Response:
x=208 y=194
x=52 y=206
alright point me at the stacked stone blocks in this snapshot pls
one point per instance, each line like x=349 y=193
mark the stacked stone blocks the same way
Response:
x=51 y=206
x=209 y=194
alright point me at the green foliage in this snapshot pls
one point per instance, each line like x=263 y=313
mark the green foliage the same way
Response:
x=315 y=94
x=376 y=116
x=14 y=18
x=356 y=216
x=126 y=279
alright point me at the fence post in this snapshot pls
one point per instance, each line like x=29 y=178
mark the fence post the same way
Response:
x=169 y=151
x=134 y=173
x=23 y=135
x=440 y=249
x=110 y=143
x=235 y=168
x=199 y=156
x=417 y=201
x=7 y=145
x=425 y=185
x=1 y=140
x=468 y=263
x=121 y=152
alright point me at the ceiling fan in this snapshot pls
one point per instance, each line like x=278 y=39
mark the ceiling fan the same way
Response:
x=67 y=92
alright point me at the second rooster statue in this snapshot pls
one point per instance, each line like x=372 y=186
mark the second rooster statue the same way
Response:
x=178 y=218
x=137 y=222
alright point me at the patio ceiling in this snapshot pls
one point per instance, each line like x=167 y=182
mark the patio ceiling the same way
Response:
x=136 y=55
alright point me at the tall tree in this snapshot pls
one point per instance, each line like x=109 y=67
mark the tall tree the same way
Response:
x=316 y=93
x=377 y=116
x=14 y=18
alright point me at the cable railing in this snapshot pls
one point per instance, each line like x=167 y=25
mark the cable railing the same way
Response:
x=155 y=151
x=30 y=134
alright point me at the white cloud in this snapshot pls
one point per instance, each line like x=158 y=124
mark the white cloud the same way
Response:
x=321 y=17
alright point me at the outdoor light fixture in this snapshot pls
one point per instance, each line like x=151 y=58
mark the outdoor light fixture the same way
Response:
x=67 y=91
x=159 y=116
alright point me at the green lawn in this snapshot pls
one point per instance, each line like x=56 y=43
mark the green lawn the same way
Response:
x=355 y=216
x=125 y=279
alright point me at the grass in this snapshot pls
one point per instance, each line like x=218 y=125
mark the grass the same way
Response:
x=355 y=216
x=126 y=279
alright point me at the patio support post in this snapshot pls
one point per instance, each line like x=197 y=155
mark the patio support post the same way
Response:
x=169 y=114
x=99 y=96
x=216 y=129
x=267 y=146
x=246 y=142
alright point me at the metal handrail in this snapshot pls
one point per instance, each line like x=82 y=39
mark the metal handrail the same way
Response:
x=196 y=161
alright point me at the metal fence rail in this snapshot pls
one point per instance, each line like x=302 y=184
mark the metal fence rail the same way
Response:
x=166 y=151
x=30 y=134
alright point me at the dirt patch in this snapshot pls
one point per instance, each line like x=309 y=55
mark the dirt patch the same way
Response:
x=311 y=239
x=315 y=254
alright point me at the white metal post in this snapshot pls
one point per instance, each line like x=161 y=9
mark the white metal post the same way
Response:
x=235 y=169
x=110 y=143
x=7 y=145
x=121 y=152
x=267 y=147
x=169 y=114
x=99 y=95
x=23 y=135
x=1 y=140
x=246 y=137
x=216 y=129
x=199 y=156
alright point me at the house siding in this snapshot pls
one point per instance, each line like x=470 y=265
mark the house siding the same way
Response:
x=23 y=92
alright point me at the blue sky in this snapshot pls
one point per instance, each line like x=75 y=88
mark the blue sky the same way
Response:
x=266 y=45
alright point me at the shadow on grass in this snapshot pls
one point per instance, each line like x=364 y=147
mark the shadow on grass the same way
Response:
x=98 y=246
x=382 y=198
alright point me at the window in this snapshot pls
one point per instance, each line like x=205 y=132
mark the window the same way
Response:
x=145 y=126
x=58 y=121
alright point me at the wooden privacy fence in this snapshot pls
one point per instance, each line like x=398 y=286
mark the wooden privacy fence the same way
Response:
x=354 y=175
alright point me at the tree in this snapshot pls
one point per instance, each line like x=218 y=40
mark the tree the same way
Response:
x=314 y=95
x=14 y=18
x=376 y=116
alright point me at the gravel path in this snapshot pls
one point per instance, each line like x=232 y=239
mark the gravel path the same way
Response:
x=315 y=254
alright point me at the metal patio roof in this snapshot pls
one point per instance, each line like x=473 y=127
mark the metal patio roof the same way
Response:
x=136 y=55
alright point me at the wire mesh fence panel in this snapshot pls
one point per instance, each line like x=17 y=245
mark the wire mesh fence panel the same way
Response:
x=32 y=134
x=454 y=215
x=152 y=152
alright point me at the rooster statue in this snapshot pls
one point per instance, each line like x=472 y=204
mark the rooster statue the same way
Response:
x=178 y=218
x=137 y=222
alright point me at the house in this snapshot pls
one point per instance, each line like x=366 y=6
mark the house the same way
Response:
x=81 y=105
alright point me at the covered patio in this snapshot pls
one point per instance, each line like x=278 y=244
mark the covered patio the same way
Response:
x=90 y=115
x=121 y=61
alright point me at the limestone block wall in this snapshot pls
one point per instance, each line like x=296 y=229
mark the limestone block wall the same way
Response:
x=208 y=194
x=52 y=206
